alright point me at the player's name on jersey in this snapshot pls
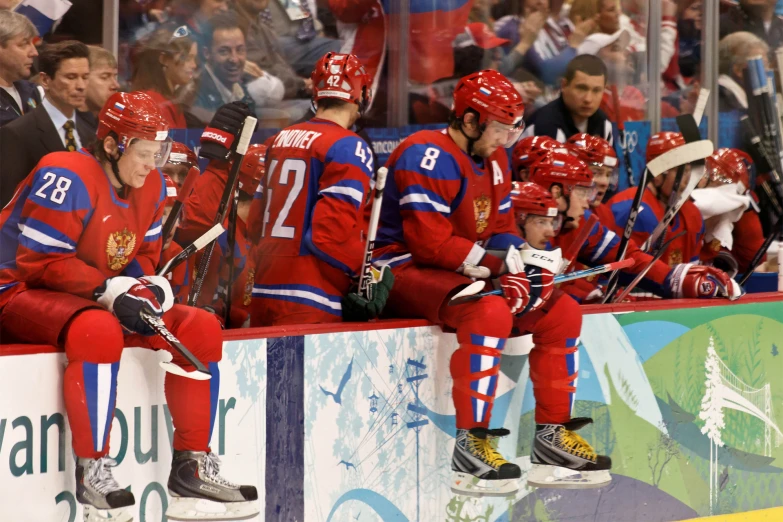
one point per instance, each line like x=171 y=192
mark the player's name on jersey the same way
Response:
x=298 y=139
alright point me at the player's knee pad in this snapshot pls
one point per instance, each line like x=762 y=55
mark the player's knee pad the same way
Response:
x=94 y=336
x=475 y=367
x=197 y=329
x=562 y=321
x=490 y=316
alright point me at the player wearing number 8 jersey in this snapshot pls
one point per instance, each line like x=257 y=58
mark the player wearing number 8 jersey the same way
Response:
x=309 y=216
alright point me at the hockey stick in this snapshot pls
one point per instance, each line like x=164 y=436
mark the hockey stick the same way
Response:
x=759 y=150
x=232 y=242
x=372 y=230
x=576 y=246
x=464 y=297
x=228 y=192
x=176 y=209
x=201 y=373
x=628 y=289
x=756 y=261
x=209 y=236
x=622 y=136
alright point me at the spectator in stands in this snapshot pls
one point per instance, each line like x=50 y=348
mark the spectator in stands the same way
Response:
x=733 y=53
x=195 y=14
x=577 y=108
x=164 y=69
x=54 y=125
x=224 y=81
x=103 y=83
x=263 y=49
x=298 y=36
x=757 y=17
x=606 y=14
x=689 y=35
x=17 y=51
x=521 y=32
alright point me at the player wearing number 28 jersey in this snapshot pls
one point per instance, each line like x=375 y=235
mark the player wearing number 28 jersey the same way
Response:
x=309 y=216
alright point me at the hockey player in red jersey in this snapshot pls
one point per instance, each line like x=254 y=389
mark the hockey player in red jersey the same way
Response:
x=554 y=362
x=529 y=150
x=80 y=240
x=685 y=249
x=181 y=160
x=733 y=228
x=601 y=159
x=179 y=278
x=312 y=232
x=447 y=201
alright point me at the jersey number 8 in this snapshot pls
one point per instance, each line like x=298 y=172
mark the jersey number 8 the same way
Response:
x=429 y=159
x=61 y=186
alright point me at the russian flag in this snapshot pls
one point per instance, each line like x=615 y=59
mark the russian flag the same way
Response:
x=43 y=13
x=433 y=26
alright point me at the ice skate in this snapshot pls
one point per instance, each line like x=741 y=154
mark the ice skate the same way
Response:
x=563 y=459
x=478 y=469
x=198 y=492
x=101 y=495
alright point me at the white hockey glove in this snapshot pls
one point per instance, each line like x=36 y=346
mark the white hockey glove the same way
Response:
x=161 y=287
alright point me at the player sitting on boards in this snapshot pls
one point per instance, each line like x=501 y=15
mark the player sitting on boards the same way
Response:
x=81 y=239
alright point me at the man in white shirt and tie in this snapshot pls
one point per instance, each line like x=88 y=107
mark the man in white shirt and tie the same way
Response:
x=53 y=126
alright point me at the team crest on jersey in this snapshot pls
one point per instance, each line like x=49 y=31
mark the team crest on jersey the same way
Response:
x=675 y=258
x=251 y=277
x=481 y=207
x=119 y=248
x=715 y=245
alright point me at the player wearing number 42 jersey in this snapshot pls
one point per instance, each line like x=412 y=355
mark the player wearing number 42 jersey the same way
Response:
x=309 y=216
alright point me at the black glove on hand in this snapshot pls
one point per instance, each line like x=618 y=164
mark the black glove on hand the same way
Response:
x=217 y=140
x=358 y=308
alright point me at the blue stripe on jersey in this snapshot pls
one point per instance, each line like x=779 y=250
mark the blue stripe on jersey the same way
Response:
x=435 y=164
x=307 y=241
x=45 y=239
x=503 y=241
x=416 y=197
x=351 y=150
x=154 y=232
x=61 y=189
x=316 y=168
x=348 y=190
x=133 y=269
x=505 y=205
x=645 y=220
x=9 y=234
x=301 y=294
x=3 y=288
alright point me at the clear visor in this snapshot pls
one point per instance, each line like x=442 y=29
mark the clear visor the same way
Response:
x=582 y=192
x=148 y=152
x=541 y=223
x=506 y=134
x=604 y=175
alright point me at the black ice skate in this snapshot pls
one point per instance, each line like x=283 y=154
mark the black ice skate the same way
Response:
x=478 y=469
x=101 y=495
x=563 y=459
x=198 y=492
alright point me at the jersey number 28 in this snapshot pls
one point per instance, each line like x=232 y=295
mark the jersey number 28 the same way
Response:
x=292 y=165
x=61 y=186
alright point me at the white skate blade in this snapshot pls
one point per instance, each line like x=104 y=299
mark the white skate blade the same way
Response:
x=471 y=486
x=93 y=514
x=178 y=370
x=544 y=476
x=187 y=508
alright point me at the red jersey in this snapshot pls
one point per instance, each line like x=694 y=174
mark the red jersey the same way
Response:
x=685 y=249
x=748 y=237
x=441 y=208
x=200 y=208
x=311 y=226
x=67 y=229
x=179 y=278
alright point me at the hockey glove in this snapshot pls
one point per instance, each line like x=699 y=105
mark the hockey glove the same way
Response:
x=701 y=282
x=726 y=262
x=360 y=308
x=126 y=297
x=161 y=287
x=217 y=140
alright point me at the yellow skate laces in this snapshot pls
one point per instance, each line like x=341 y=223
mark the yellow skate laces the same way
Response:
x=486 y=449
x=576 y=445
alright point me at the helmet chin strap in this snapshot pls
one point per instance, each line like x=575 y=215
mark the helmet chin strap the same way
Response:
x=471 y=141
x=115 y=168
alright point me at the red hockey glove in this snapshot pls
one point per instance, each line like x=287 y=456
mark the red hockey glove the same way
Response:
x=218 y=138
x=126 y=297
x=701 y=282
x=161 y=287
x=516 y=290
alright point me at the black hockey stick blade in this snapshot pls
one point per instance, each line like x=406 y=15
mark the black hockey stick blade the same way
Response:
x=658 y=254
x=201 y=373
x=756 y=261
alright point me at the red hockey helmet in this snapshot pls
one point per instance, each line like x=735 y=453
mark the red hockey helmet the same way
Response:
x=728 y=166
x=252 y=169
x=564 y=170
x=663 y=142
x=593 y=150
x=171 y=191
x=182 y=155
x=531 y=149
x=134 y=115
x=342 y=77
x=531 y=199
x=490 y=95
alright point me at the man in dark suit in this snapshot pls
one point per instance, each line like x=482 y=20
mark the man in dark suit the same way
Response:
x=53 y=126
x=17 y=51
